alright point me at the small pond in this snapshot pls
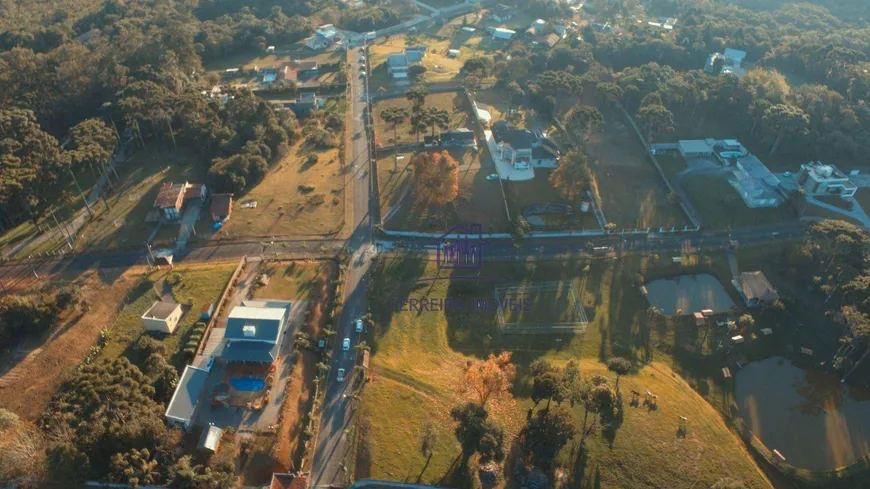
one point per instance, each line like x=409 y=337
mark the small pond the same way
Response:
x=814 y=421
x=689 y=294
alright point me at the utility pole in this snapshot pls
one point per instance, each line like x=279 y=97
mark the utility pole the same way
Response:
x=4 y=288
x=63 y=231
x=33 y=270
x=84 y=199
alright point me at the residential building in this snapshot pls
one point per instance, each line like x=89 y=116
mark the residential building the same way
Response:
x=398 y=65
x=818 y=179
x=211 y=439
x=755 y=183
x=696 y=148
x=182 y=407
x=415 y=54
x=502 y=33
x=732 y=62
x=754 y=289
x=548 y=40
x=323 y=37
x=221 y=207
x=459 y=138
x=604 y=28
x=173 y=196
x=300 y=70
x=305 y=103
x=523 y=148
x=537 y=28
x=255 y=330
x=501 y=13
x=162 y=317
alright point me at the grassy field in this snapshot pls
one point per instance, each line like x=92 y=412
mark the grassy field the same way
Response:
x=671 y=163
x=479 y=201
x=453 y=102
x=286 y=209
x=721 y=206
x=199 y=285
x=31 y=373
x=630 y=188
x=538 y=191
x=418 y=356
x=123 y=224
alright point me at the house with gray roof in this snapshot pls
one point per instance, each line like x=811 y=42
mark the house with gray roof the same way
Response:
x=182 y=407
x=523 y=148
x=255 y=330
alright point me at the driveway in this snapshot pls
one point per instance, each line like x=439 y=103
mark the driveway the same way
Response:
x=505 y=170
x=187 y=222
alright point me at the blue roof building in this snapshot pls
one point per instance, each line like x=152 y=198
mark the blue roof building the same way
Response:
x=255 y=330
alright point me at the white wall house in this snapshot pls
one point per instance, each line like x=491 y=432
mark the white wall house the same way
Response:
x=818 y=179
x=162 y=317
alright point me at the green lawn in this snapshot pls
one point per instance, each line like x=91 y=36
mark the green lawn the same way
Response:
x=539 y=190
x=721 y=206
x=671 y=163
x=417 y=357
x=200 y=285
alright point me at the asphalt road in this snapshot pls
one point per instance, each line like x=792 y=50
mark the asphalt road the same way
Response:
x=332 y=440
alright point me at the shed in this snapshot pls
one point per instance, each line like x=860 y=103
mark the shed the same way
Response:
x=162 y=317
x=182 y=406
x=221 y=207
x=210 y=439
x=737 y=339
x=754 y=288
x=707 y=312
x=766 y=331
x=270 y=49
x=207 y=311
x=502 y=33
x=453 y=53
x=700 y=320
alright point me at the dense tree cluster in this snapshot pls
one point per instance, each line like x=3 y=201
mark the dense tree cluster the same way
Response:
x=34 y=313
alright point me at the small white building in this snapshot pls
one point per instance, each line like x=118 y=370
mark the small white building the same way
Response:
x=162 y=317
x=452 y=53
x=502 y=33
x=210 y=439
x=818 y=179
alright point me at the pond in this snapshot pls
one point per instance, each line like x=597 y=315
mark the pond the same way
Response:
x=689 y=294
x=814 y=421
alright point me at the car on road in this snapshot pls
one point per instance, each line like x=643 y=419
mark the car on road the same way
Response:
x=345 y=345
x=362 y=73
x=359 y=325
x=492 y=177
x=340 y=376
x=362 y=59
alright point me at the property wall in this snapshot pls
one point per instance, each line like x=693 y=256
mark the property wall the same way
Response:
x=153 y=324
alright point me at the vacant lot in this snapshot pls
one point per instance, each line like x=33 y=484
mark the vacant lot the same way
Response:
x=249 y=60
x=297 y=198
x=130 y=200
x=721 y=206
x=31 y=373
x=540 y=191
x=453 y=102
x=418 y=357
x=191 y=286
x=479 y=202
x=630 y=188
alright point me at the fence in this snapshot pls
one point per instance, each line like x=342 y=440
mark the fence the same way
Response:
x=435 y=236
x=220 y=303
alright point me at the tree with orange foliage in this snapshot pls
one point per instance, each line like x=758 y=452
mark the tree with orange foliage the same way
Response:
x=489 y=379
x=436 y=177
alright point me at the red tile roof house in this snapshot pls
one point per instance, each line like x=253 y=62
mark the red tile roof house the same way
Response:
x=173 y=196
x=300 y=70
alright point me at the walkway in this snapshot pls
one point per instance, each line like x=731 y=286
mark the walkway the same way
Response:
x=857 y=213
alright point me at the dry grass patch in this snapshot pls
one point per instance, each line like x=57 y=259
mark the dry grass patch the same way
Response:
x=453 y=102
x=295 y=199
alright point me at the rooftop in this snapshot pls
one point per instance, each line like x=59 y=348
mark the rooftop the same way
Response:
x=266 y=317
x=822 y=172
x=221 y=204
x=161 y=310
x=170 y=195
x=183 y=403
x=211 y=438
x=755 y=285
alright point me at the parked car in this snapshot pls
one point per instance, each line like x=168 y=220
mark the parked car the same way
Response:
x=492 y=177
x=362 y=74
x=340 y=376
x=362 y=59
x=345 y=345
x=359 y=325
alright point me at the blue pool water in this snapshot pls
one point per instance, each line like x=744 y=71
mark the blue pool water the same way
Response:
x=252 y=385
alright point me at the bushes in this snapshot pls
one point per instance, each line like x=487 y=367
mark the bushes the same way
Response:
x=195 y=338
x=35 y=313
x=237 y=173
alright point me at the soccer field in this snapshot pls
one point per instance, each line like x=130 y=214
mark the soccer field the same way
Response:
x=541 y=308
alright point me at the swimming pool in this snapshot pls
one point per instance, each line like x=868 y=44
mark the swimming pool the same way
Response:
x=248 y=384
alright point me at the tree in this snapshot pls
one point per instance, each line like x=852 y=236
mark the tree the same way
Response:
x=417 y=96
x=489 y=379
x=608 y=93
x=655 y=119
x=785 y=120
x=395 y=116
x=597 y=398
x=434 y=117
x=134 y=467
x=584 y=120
x=718 y=64
x=436 y=177
x=546 y=386
x=620 y=366
x=746 y=321
x=572 y=176
x=545 y=434
x=22 y=455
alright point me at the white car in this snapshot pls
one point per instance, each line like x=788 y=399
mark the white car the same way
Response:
x=345 y=345
x=362 y=73
x=340 y=376
x=362 y=59
x=492 y=177
x=359 y=325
